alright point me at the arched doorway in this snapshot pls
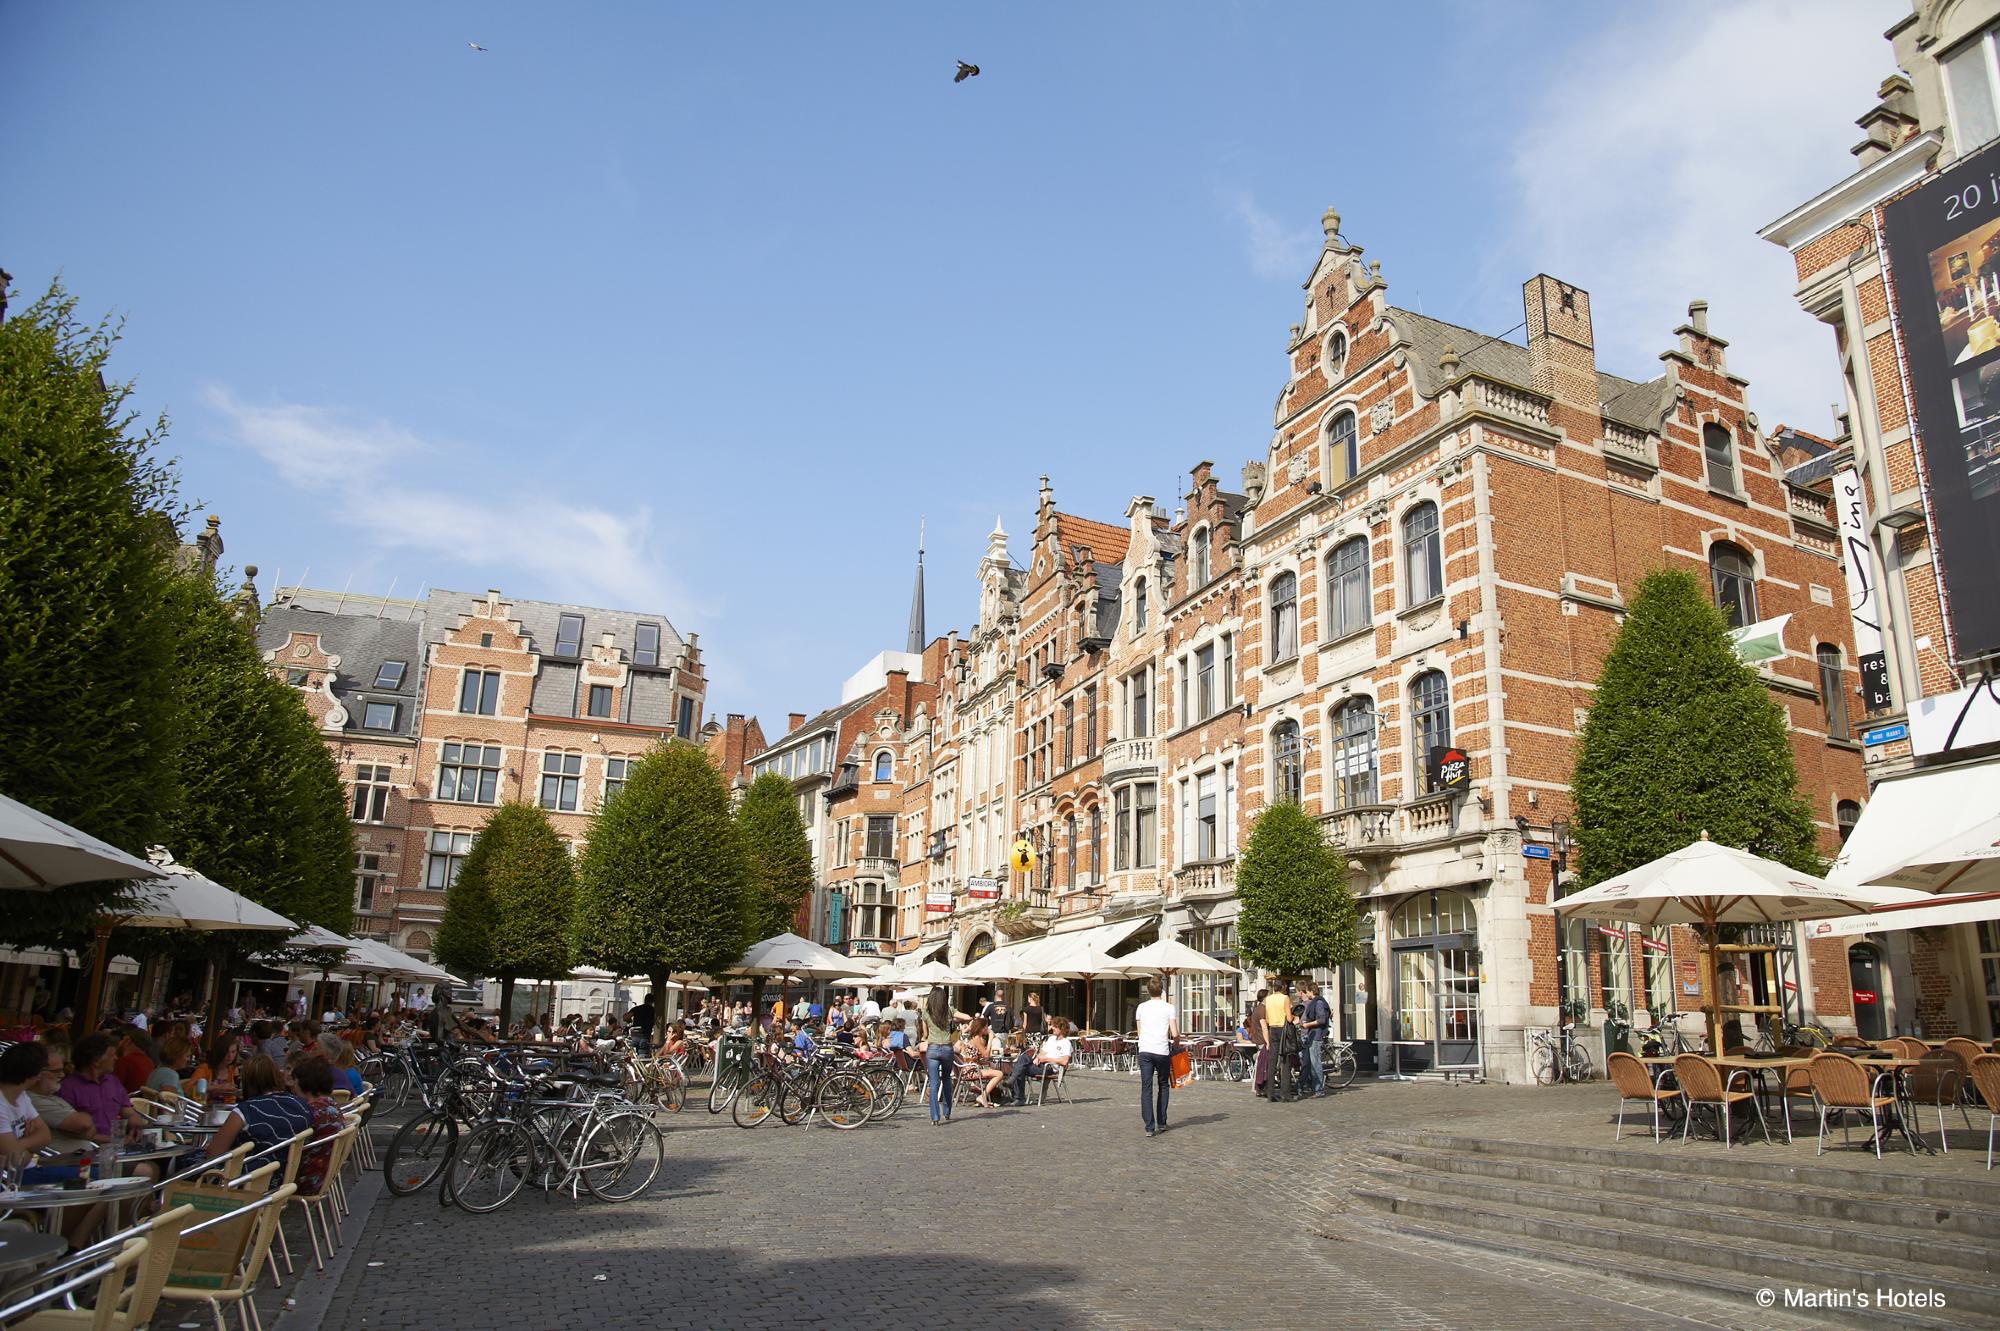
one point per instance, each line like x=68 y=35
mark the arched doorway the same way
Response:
x=981 y=945
x=1434 y=951
x=1866 y=973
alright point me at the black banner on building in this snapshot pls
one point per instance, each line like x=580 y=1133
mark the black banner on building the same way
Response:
x=1943 y=244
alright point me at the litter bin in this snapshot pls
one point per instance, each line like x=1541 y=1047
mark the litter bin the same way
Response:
x=1616 y=1030
x=734 y=1055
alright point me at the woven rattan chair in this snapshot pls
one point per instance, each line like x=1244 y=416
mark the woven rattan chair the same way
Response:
x=116 y=1286
x=1628 y=1074
x=1703 y=1083
x=1963 y=1051
x=132 y=1307
x=1842 y=1085
x=1986 y=1085
x=220 y=1257
x=1936 y=1081
x=1903 y=1046
x=321 y=1205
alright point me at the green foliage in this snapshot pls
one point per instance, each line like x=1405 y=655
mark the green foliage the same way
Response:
x=1297 y=914
x=87 y=650
x=1683 y=738
x=780 y=857
x=532 y=884
x=261 y=808
x=663 y=880
x=464 y=942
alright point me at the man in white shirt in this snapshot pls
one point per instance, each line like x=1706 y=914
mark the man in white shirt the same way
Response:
x=1157 y=1032
x=870 y=1010
x=1054 y=1053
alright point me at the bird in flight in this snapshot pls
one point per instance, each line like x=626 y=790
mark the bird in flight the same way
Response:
x=965 y=72
x=475 y=46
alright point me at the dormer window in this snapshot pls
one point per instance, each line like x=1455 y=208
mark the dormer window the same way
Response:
x=1198 y=549
x=646 y=645
x=569 y=635
x=389 y=675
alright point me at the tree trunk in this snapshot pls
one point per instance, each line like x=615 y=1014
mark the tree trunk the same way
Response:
x=506 y=1005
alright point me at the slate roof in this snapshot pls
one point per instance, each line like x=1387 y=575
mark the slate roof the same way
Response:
x=540 y=620
x=1109 y=598
x=826 y=720
x=1635 y=404
x=362 y=642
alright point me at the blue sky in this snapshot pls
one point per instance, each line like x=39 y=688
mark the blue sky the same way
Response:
x=697 y=308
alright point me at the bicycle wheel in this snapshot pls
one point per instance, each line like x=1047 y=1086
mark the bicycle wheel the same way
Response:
x=845 y=1099
x=1579 y=1067
x=795 y=1095
x=888 y=1090
x=622 y=1156
x=1341 y=1067
x=419 y=1152
x=724 y=1089
x=754 y=1103
x=1542 y=1063
x=672 y=1089
x=491 y=1166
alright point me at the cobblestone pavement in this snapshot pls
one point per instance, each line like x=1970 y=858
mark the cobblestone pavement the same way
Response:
x=1039 y=1219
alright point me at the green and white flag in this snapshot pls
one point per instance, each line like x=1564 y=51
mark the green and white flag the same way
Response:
x=1760 y=642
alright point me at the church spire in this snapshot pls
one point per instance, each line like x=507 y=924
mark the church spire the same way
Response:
x=915 y=645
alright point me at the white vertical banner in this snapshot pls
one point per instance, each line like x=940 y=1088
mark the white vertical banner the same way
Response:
x=1864 y=595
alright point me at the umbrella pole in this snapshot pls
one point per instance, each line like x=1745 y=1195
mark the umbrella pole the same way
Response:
x=100 y=957
x=1714 y=991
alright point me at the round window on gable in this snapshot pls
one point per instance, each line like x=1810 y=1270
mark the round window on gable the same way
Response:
x=1336 y=354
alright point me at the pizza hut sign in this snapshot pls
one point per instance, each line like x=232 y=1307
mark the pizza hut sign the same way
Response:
x=1450 y=769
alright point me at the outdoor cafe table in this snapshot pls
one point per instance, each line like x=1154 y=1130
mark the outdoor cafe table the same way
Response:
x=52 y=1199
x=22 y=1251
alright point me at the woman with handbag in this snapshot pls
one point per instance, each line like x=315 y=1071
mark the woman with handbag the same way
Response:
x=1157 y=1032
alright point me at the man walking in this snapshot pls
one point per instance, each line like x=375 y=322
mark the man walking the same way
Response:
x=1157 y=1033
x=1313 y=1021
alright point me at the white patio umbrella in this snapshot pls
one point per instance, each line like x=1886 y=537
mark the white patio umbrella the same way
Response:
x=789 y=955
x=1967 y=861
x=935 y=972
x=1082 y=961
x=38 y=852
x=1169 y=956
x=1706 y=885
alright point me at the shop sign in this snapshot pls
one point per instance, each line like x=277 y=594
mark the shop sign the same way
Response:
x=984 y=888
x=937 y=900
x=1864 y=598
x=1450 y=768
x=1651 y=944
x=1864 y=996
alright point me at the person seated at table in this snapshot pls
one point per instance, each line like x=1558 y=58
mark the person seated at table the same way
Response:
x=173 y=1061
x=71 y=1131
x=267 y=1114
x=802 y=1041
x=135 y=1061
x=315 y=1080
x=95 y=1089
x=973 y=1049
x=339 y=1056
x=1054 y=1052
x=22 y=1130
x=214 y=1077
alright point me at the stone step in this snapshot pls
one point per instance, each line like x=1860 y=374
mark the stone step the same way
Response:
x=1770 y=1265
x=1743 y=1165
x=1759 y=1224
x=1949 y=1222
x=1737 y=1294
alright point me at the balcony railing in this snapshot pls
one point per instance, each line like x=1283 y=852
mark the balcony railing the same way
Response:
x=1507 y=400
x=1214 y=878
x=876 y=866
x=1364 y=829
x=1809 y=506
x=1127 y=755
x=1427 y=818
x=1628 y=445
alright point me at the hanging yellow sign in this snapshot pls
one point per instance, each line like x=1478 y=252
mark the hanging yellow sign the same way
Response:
x=1023 y=858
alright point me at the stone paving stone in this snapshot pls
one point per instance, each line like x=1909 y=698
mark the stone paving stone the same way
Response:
x=1039 y=1219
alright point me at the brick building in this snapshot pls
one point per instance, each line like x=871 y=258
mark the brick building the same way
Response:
x=730 y=746
x=441 y=709
x=1932 y=130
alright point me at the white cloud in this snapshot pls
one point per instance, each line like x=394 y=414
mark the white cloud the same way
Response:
x=1668 y=140
x=369 y=475
x=1274 y=251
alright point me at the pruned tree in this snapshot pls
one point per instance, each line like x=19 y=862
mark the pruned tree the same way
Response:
x=1296 y=914
x=88 y=649
x=780 y=857
x=1683 y=738
x=662 y=882
x=522 y=869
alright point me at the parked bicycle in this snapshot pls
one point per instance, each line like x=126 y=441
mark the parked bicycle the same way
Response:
x=604 y=1145
x=1558 y=1056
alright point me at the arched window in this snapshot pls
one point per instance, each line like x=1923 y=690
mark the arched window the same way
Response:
x=885 y=766
x=1430 y=720
x=1343 y=449
x=1354 y=753
x=1284 y=616
x=1347 y=589
x=1138 y=607
x=1429 y=914
x=1287 y=765
x=1735 y=581
x=1832 y=690
x=1198 y=561
x=1845 y=815
x=1719 y=450
x=1336 y=354
x=1423 y=555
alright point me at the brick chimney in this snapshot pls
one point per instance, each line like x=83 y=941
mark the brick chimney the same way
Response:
x=796 y=720
x=896 y=693
x=1562 y=354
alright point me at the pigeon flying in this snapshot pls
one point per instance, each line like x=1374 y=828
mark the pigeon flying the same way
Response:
x=475 y=46
x=965 y=72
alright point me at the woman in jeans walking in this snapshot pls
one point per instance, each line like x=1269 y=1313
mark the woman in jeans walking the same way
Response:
x=939 y=1055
